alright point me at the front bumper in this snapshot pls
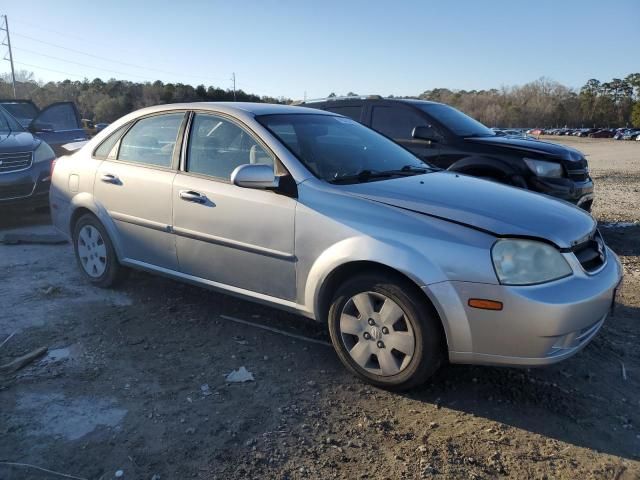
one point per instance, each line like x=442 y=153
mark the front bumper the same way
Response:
x=579 y=193
x=27 y=188
x=539 y=324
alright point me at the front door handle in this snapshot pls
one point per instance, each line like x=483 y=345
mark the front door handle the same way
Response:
x=191 y=196
x=110 y=178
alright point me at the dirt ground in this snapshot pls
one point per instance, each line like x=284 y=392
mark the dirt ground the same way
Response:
x=134 y=382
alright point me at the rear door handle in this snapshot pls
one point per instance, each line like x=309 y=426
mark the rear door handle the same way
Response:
x=191 y=196
x=110 y=178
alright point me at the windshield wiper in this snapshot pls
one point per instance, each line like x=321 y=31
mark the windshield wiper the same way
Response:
x=366 y=175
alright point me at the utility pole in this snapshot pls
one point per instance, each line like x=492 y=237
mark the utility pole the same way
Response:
x=233 y=79
x=8 y=44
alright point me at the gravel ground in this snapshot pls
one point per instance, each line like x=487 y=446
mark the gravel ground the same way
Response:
x=134 y=382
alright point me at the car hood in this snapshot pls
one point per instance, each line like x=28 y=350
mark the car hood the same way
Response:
x=11 y=142
x=497 y=209
x=530 y=146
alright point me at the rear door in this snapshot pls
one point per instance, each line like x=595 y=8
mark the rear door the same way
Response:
x=397 y=122
x=57 y=124
x=135 y=189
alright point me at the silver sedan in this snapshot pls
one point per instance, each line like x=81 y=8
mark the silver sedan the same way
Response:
x=314 y=213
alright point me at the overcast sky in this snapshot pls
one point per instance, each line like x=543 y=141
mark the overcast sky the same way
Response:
x=287 y=48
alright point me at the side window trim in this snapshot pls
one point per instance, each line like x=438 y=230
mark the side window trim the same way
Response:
x=277 y=164
x=174 y=158
x=122 y=131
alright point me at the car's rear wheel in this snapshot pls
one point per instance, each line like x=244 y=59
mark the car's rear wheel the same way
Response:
x=384 y=331
x=95 y=254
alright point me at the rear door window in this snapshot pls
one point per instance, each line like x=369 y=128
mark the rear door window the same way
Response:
x=151 y=140
x=396 y=122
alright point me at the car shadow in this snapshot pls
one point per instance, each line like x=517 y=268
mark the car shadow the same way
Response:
x=589 y=401
x=622 y=240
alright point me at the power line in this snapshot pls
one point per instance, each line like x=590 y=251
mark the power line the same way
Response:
x=78 y=63
x=80 y=52
x=50 y=69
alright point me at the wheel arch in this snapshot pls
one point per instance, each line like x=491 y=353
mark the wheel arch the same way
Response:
x=85 y=204
x=342 y=272
x=473 y=165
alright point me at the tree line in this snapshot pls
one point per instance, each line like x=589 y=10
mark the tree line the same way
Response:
x=541 y=103
x=547 y=103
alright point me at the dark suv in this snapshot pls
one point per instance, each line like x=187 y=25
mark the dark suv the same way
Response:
x=445 y=137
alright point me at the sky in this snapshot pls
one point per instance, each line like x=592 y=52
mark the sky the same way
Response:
x=298 y=48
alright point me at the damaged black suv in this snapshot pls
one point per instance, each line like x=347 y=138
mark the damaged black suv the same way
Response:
x=445 y=137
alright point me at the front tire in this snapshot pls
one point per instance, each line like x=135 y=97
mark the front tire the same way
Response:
x=95 y=254
x=385 y=332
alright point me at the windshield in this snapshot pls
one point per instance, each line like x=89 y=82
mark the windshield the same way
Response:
x=23 y=112
x=456 y=121
x=8 y=123
x=337 y=148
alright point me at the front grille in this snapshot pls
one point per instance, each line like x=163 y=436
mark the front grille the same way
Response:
x=581 y=175
x=15 y=191
x=591 y=254
x=14 y=162
x=578 y=170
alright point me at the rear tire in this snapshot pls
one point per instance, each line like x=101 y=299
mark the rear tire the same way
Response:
x=95 y=254
x=385 y=332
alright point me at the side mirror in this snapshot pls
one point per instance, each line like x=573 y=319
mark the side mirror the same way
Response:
x=425 y=133
x=254 y=175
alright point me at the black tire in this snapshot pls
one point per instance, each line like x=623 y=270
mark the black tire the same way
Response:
x=113 y=273
x=429 y=350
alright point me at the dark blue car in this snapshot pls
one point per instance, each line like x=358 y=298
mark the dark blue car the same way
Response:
x=25 y=166
x=57 y=124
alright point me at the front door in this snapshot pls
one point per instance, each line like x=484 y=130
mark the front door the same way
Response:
x=233 y=236
x=58 y=124
x=397 y=122
x=136 y=187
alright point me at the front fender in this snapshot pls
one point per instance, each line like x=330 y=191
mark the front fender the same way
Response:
x=409 y=262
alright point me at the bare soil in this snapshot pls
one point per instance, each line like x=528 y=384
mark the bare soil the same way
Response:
x=134 y=381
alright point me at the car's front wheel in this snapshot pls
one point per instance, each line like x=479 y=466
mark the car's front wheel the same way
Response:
x=95 y=254
x=384 y=331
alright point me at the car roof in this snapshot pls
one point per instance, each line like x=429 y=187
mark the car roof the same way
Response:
x=341 y=100
x=233 y=107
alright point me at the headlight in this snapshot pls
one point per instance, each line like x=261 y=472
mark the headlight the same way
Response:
x=44 y=153
x=544 y=169
x=527 y=262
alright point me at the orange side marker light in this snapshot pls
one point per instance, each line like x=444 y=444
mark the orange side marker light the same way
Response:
x=485 y=304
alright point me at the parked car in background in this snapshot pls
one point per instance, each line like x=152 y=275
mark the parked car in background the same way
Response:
x=630 y=134
x=312 y=212
x=56 y=124
x=604 y=133
x=585 y=132
x=101 y=126
x=621 y=132
x=25 y=166
x=443 y=136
